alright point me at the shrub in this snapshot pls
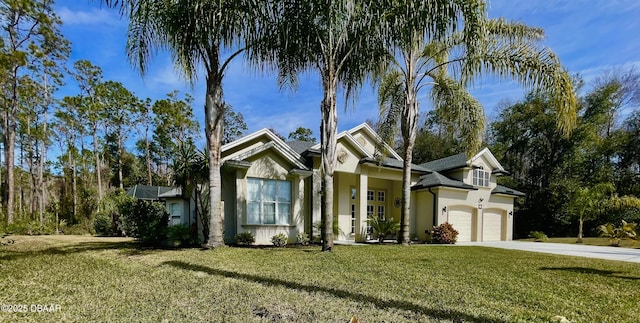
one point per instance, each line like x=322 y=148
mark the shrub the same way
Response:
x=617 y=234
x=444 y=234
x=103 y=224
x=144 y=220
x=538 y=236
x=302 y=238
x=107 y=219
x=383 y=227
x=245 y=238
x=179 y=236
x=30 y=227
x=279 y=240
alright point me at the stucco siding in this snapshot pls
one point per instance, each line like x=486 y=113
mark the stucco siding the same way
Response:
x=423 y=213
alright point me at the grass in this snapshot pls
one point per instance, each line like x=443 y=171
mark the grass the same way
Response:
x=592 y=241
x=107 y=279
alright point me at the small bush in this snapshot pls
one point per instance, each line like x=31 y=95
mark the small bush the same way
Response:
x=30 y=227
x=245 y=238
x=538 y=236
x=279 y=240
x=179 y=236
x=302 y=238
x=143 y=220
x=444 y=234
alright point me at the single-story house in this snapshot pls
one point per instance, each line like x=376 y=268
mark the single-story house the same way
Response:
x=270 y=186
x=181 y=210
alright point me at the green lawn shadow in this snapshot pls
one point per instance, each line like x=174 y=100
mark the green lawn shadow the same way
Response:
x=453 y=315
x=585 y=270
x=123 y=247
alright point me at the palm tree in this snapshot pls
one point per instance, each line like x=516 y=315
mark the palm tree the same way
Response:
x=447 y=66
x=589 y=202
x=344 y=42
x=190 y=173
x=197 y=34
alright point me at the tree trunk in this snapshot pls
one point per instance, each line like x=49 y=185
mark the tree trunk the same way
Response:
x=41 y=161
x=147 y=154
x=97 y=156
x=120 y=177
x=43 y=154
x=74 y=183
x=408 y=124
x=10 y=142
x=580 y=224
x=328 y=130
x=214 y=116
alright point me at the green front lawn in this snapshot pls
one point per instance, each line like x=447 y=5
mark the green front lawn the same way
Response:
x=105 y=279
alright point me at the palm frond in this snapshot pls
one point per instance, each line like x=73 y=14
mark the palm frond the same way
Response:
x=390 y=105
x=462 y=114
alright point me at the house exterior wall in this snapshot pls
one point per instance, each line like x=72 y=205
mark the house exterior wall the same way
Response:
x=455 y=199
x=422 y=213
x=269 y=166
x=184 y=209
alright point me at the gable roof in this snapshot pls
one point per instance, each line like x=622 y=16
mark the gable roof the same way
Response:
x=349 y=136
x=499 y=189
x=486 y=153
x=345 y=135
x=300 y=146
x=436 y=179
x=274 y=142
x=460 y=161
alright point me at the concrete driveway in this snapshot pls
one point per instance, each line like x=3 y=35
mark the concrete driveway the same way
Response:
x=609 y=253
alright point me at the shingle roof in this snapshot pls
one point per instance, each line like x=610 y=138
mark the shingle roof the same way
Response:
x=436 y=179
x=393 y=163
x=447 y=163
x=507 y=191
x=300 y=146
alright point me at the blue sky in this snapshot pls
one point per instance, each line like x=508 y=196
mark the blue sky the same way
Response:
x=589 y=36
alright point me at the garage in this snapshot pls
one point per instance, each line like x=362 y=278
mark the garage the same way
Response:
x=462 y=220
x=492 y=225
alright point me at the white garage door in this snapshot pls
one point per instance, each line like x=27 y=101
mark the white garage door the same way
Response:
x=462 y=221
x=492 y=226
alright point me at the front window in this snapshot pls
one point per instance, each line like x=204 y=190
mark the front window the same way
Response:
x=268 y=201
x=353 y=218
x=176 y=214
x=480 y=177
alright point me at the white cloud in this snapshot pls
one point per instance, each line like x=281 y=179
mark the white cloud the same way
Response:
x=94 y=16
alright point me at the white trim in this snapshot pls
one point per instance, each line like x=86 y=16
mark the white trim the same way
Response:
x=370 y=132
x=280 y=146
x=490 y=157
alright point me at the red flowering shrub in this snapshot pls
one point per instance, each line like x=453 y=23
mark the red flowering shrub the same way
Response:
x=444 y=234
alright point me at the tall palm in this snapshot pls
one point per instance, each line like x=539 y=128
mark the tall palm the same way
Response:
x=447 y=66
x=587 y=203
x=197 y=33
x=344 y=42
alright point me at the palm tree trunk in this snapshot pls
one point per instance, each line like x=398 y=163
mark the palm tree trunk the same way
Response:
x=214 y=115
x=408 y=126
x=328 y=129
x=580 y=224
